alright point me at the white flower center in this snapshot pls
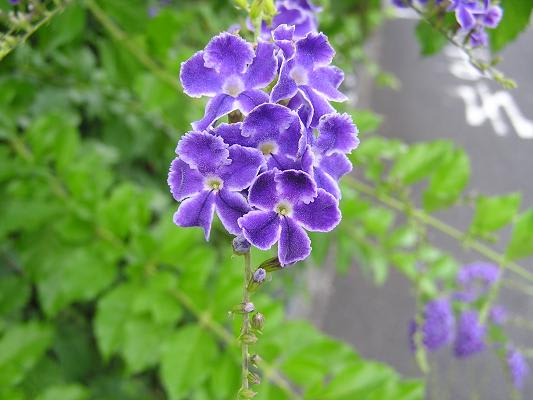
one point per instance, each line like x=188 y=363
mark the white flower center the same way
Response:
x=299 y=75
x=233 y=86
x=214 y=183
x=283 y=208
x=268 y=148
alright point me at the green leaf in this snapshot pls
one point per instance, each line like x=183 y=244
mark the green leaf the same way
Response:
x=521 y=243
x=419 y=161
x=14 y=294
x=516 y=18
x=431 y=41
x=65 y=392
x=366 y=120
x=493 y=213
x=448 y=181
x=187 y=361
x=21 y=347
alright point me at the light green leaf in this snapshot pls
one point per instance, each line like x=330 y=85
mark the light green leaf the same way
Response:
x=516 y=18
x=187 y=360
x=493 y=213
x=21 y=347
x=366 y=120
x=521 y=243
x=431 y=41
x=65 y=392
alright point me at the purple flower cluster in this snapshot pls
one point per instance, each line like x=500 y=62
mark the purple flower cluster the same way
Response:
x=518 y=367
x=470 y=335
x=475 y=280
x=473 y=16
x=270 y=169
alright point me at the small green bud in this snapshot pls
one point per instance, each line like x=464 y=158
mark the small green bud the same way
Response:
x=245 y=394
x=255 y=359
x=271 y=265
x=248 y=338
x=253 y=378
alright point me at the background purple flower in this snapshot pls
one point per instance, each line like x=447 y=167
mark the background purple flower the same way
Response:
x=229 y=71
x=287 y=202
x=518 y=367
x=438 y=324
x=475 y=279
x=470 y=335
x=209 y=175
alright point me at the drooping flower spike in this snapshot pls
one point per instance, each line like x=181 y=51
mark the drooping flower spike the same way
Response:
x=232 y=73
x=210 y=175
x=286 y=203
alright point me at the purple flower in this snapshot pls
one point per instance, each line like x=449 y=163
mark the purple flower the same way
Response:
x=470 y=335
x=465 y=12
x=298 y=13
x=518 y=367
x=229 y=71
x=476 y=279
x=492 y=16
x=210 y=175
x=287 y=202
x=438 y=324
x=498 y=314
x=307 y=78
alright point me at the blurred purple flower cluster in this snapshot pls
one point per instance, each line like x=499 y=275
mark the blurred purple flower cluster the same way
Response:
x=473 y=16
x=468 y=333
x=270 y=149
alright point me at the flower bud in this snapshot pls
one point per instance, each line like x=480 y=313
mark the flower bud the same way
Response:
x=245 y=394
x=259 y=275
x=258 y=321
x=248 y=338
x=241 y=245
x=272 y=264
x=253 y=378
x=248 y=307
x=255 y=359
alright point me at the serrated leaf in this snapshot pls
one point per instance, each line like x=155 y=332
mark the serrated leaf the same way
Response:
x=493 y=213
x=187 y=360
x=521 y=243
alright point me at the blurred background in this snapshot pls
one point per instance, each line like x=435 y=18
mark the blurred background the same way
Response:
x=102 y=297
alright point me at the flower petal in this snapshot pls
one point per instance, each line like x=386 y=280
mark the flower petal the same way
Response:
x=230 y=207
x=314 y=50
x=249 y=99
x=261 y=228
x=217 y=107
x=326 y=80
x=321 y=215
x=263 y=193
x=231 y=134
x=285 y=88
x=465 y=18
x=318 y=103
x=326 y=182
x=337 y=134
x=197 y=211
x=228 y=54
x=245 y=164
x=294 y=243
x=295 y=186
x=197 y=80
x=203 y=151
x=184 y=180
x=263 y=69
x=284 y=162
x=267 y=121
x=283 y=36
x=336 y=165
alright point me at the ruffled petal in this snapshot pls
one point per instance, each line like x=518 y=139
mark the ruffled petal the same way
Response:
x=314 y=50
x=183 y=180
x=465 y=18
x=249 y=99
x=263 y=69
x=326 y=182
x=294 y=243
x=203 y=151
x=228 y=54
x=263 y=193
x=285 y=88
x=295 y=186
x=336 y=165
x=283 y=36
x=326 y=80
x=197 y=211
x=217 y=107
x=198 y=80
x=284 y=162
x=245 y=164
x=230 y=207
x=267 y=121
x=261 y=228
x=318 y=103
x=231 y=134
x=321 y=215
x=336 y=134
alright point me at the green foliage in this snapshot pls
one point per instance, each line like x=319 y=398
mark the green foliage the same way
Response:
x=431 y=41
x=493 y=213
x=517 y=16
x=521 y=244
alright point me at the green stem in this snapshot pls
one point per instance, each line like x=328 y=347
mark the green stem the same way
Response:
x=441 y=226
x=245 y=328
